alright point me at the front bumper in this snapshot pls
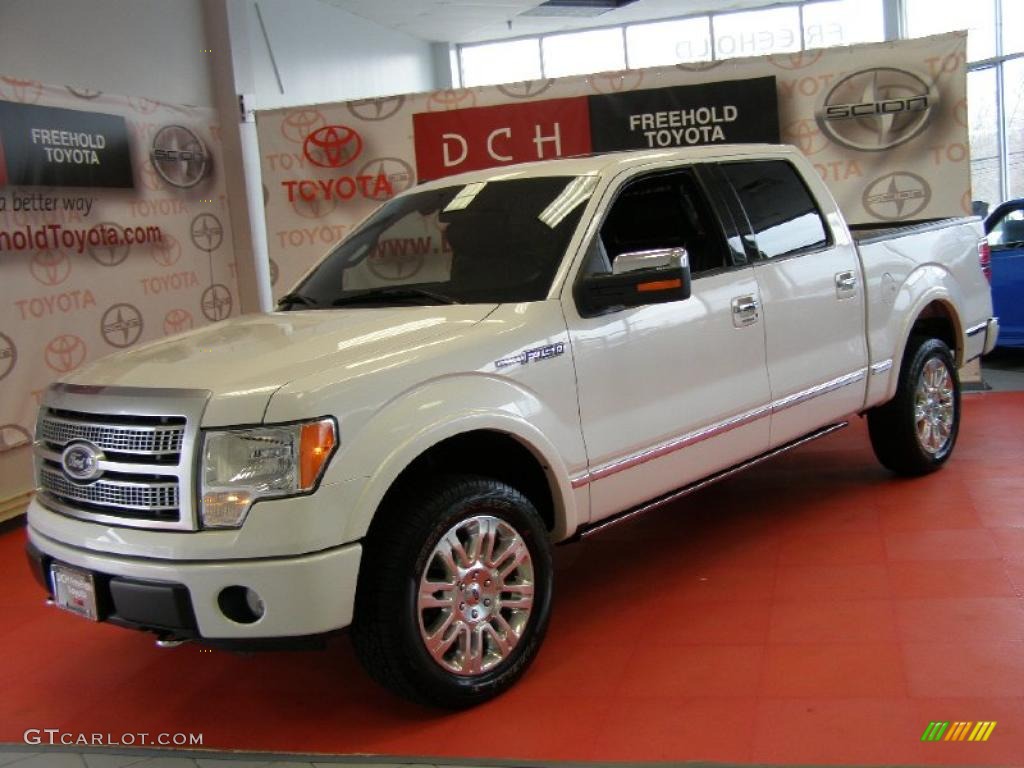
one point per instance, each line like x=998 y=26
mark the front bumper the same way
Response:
x=303 y=596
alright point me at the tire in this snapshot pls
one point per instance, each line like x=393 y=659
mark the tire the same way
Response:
x=915 y=432
x=493 y=616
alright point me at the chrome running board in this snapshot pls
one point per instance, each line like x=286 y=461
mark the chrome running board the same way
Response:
x=710 y=479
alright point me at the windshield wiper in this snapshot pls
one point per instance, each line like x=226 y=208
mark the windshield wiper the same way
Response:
x=296 y=298
x=394 y=292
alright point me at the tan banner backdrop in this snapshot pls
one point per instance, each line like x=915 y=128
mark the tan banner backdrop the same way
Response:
x=113 y=232
x=884 y=124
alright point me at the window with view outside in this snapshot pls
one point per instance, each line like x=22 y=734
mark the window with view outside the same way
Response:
x=669 y=42
x=930 y=17
x=982 y=119
x=493 y=242
x=583 y=53
x=1013 y=79
x=503 y=62
x=843 y=22
x=757 y=33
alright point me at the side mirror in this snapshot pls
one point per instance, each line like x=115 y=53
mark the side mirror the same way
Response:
x=638 y=278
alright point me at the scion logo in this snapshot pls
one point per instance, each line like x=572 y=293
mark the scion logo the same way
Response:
x=25 y=91
x=206 y=232
x=877 y=109
x=179 y=156
x=83 y=93
x=897 y=196
x=121 y=325
x=110 y=255
x=525 y=89
x=8 y=355
x=333 y=146
x=13 y=435
x=399 y=174
x=376 y=109
x=804 y=134
x=274 y=274
x=616 y=82
x=795 y=60
x=297 y=125
x=81 y=461
x=178 y=320
x=50 y=267
x=216 y=302
x=167 y=252
x=64 y=353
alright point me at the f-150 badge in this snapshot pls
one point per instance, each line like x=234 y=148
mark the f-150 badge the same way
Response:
x=531 y=355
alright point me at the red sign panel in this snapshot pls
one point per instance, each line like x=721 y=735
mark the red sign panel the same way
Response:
x=485 y=137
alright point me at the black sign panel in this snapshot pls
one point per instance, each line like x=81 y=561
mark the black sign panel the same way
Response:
x=50 y=147
x=733 y=111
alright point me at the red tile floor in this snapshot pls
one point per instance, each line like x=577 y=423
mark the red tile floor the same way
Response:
x=814 y=610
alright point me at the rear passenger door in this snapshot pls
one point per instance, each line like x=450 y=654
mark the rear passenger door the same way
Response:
x=811 y=287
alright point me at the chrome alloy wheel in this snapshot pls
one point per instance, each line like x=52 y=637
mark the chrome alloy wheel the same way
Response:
x=933 y=406
x=475 y=595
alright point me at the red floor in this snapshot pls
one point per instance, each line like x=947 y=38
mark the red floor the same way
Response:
x=814 y=610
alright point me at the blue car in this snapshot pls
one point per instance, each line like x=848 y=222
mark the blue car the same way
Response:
x=1005 y=228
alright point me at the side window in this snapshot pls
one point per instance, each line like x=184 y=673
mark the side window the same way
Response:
x=783 y=215
x=1009 y=232
x=663 y=211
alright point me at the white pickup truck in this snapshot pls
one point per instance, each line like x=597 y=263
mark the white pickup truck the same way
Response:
x=490 y=364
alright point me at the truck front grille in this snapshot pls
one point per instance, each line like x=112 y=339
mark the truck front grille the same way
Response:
x=144 y=460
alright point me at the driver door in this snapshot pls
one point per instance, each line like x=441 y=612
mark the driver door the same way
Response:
x=672 y=392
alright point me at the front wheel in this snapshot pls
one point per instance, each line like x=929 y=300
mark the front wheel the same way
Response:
x=454 y=592
x=914 y=433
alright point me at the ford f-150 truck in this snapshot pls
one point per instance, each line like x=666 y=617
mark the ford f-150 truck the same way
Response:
x=490 y=364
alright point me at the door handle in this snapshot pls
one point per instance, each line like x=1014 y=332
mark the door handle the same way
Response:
x=846 y=284
x=744 y=311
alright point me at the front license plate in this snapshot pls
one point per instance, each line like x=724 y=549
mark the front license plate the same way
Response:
x=74 y=590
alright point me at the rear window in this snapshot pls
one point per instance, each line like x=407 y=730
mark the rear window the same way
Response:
x=783 y=215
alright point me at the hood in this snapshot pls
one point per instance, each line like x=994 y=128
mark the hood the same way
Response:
x=243 y=361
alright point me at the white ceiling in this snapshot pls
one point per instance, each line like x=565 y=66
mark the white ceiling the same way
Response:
x=470 y=21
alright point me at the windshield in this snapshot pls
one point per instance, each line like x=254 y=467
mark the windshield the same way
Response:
x=486 y=242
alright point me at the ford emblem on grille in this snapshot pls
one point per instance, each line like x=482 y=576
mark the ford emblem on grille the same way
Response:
x=81 y=461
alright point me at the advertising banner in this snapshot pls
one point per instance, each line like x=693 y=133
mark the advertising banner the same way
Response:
x=885 y=126
x=113 y=232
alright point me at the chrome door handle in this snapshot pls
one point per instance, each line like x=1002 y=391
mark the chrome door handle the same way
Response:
x=744 y=310
x=846 y=284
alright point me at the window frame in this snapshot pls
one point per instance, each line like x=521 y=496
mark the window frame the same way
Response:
x=754 y=253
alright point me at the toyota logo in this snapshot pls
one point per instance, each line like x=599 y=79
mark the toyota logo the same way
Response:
x=179 y=156
x=64 y=353
x=81 y=461
x=877 y=109
x=897 y=196
x=8 y=355
x=297 y=125
x=50 y=267
x=332 y=146
x=206 y=232
x=376 y=109
x=526 y=89
x=216 y=302
x=121 y=325
x=178 y=320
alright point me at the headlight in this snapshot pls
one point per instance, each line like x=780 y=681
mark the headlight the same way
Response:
x=243 y=465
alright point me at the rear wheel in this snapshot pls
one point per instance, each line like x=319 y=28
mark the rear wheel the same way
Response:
x=454 y=592
x=915 y=432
